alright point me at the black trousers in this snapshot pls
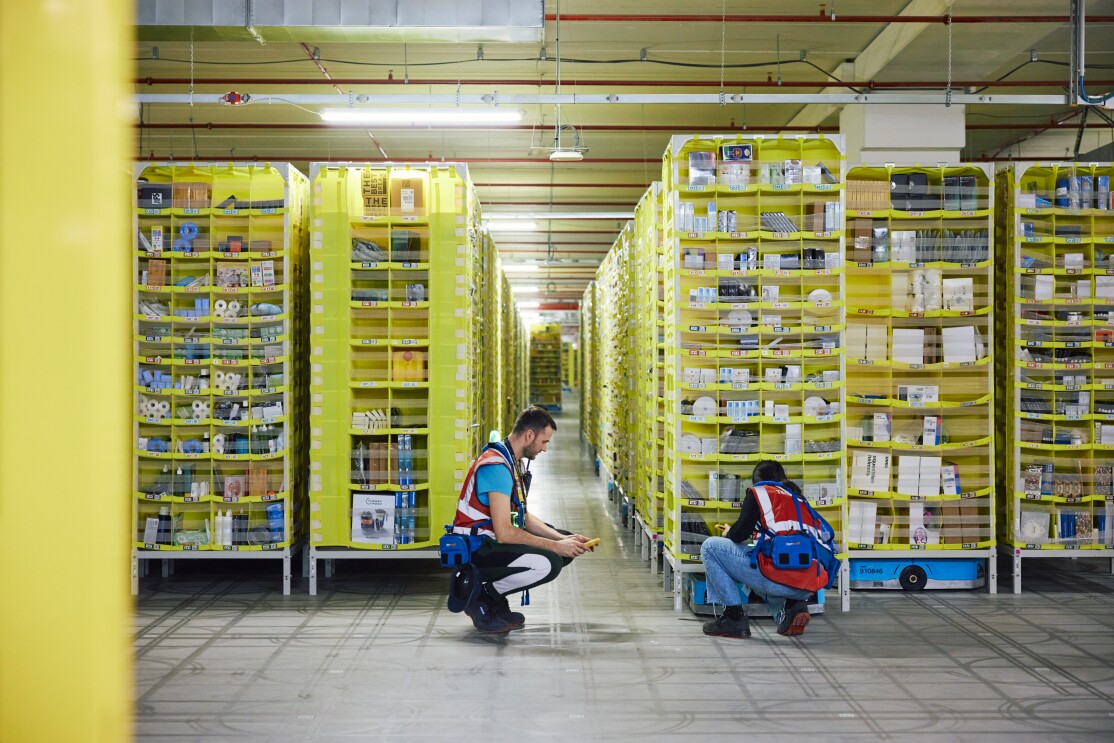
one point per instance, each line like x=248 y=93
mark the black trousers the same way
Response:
x=508 y=568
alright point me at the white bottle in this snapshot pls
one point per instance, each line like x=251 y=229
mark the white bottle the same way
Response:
x=227 y=534
x=218 y=529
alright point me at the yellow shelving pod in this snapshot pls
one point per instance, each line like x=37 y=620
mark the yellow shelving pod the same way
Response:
x=545 y=366
x=392 y=406
x=220 y=318
x=920 y=377
x=1056 y=386
x=753 y=329
x=589 y=385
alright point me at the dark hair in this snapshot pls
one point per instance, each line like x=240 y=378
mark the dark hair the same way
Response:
x=793 y=488
x=768 y=471
x=534 y=419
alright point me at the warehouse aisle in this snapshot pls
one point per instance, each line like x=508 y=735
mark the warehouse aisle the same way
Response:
x=227 y=657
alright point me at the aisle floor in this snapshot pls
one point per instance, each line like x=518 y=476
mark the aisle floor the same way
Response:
x=222 y=655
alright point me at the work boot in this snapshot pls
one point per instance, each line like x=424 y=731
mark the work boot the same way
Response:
x=725 y=626
x=502 y=607
x=484 y=617
x=794 y=620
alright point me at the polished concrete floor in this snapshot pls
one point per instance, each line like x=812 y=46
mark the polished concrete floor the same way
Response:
x=222 y=655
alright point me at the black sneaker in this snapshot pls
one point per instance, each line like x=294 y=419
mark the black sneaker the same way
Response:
x=514 y=619
x=484 y=618
x=726 y=627
x=795 y=620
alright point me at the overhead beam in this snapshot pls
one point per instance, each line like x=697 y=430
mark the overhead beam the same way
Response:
x=893 y=39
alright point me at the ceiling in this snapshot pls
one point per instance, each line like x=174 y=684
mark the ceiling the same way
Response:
x=609 y=47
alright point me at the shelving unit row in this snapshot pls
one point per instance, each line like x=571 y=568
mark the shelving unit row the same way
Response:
x=1056 y=390
x=545 y=366
x=219 y=255
x=920 y=376
x=753 y=333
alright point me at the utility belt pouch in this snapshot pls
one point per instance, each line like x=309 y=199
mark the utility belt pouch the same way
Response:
x=790 y=551
x=457 y=549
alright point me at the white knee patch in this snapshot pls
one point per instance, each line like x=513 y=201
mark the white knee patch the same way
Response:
x=536 y=569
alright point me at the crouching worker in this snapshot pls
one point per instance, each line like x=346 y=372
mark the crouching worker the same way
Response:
x=516 y=550
x=793 y=557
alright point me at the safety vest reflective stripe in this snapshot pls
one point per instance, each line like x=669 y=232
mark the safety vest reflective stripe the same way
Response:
x=470 y=511
x=779 y=514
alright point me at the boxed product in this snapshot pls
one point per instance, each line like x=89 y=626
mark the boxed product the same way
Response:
x=407 y=195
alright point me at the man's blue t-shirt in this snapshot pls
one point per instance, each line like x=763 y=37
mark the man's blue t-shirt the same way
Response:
x=493 y=477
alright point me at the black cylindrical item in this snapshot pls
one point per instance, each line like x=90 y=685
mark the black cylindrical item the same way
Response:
x=240 y=528
x=163 y=534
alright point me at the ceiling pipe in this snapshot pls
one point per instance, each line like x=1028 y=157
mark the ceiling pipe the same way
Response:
x=496 y=98
x=822 y=18
x=763 y=83
x=481 y=160
x=514 y=127
x=214 y=126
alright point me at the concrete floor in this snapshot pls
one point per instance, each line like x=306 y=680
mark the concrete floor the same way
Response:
x=222 y=655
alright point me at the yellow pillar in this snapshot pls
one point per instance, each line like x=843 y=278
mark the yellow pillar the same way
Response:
x=65 y=436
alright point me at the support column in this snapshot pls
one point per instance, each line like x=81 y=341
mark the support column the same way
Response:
x=65 y=347
x=905 y=135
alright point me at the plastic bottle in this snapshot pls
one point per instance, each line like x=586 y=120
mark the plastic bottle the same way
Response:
x=163 y=534
x=226 y=528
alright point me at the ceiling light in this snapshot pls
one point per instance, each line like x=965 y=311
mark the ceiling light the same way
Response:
x=508 y=224
x=566 y=156
x=525 y=289
x=513 y=267
x=421 y=116
x=528 y=305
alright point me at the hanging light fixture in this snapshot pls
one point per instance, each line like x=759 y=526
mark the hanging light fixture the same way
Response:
x=557 y=153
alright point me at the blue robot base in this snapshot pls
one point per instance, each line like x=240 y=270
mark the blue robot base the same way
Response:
x=908 y=574
x=695 y=593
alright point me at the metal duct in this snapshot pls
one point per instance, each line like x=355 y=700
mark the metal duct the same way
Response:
x=342 y=20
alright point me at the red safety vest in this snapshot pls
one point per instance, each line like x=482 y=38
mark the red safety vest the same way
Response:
x=472 y=516
x=778 y=515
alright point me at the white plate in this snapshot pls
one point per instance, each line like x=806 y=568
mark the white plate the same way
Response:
x=814 y=406
x=820 y=295
x=705 y=406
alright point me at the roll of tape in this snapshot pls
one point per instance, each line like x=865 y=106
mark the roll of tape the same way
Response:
x=233 y=308
x=188 y=230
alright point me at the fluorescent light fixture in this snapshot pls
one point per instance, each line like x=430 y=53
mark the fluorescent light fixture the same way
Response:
x=421 y=116
x=525 y=289
x=566 y=156
x=516 y=267
x=509 y=224
x=528 y=305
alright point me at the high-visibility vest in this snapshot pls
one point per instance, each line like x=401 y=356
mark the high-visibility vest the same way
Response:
x=782 y=513
x=472 y=516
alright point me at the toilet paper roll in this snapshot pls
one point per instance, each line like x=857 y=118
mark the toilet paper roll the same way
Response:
x=201 y=409
x=219 y=312
x=164 y=409
x=219 y=306
x=218 y=378
x=233 y=308
x=151 y=408
x=142 y=405
x=218 y=443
